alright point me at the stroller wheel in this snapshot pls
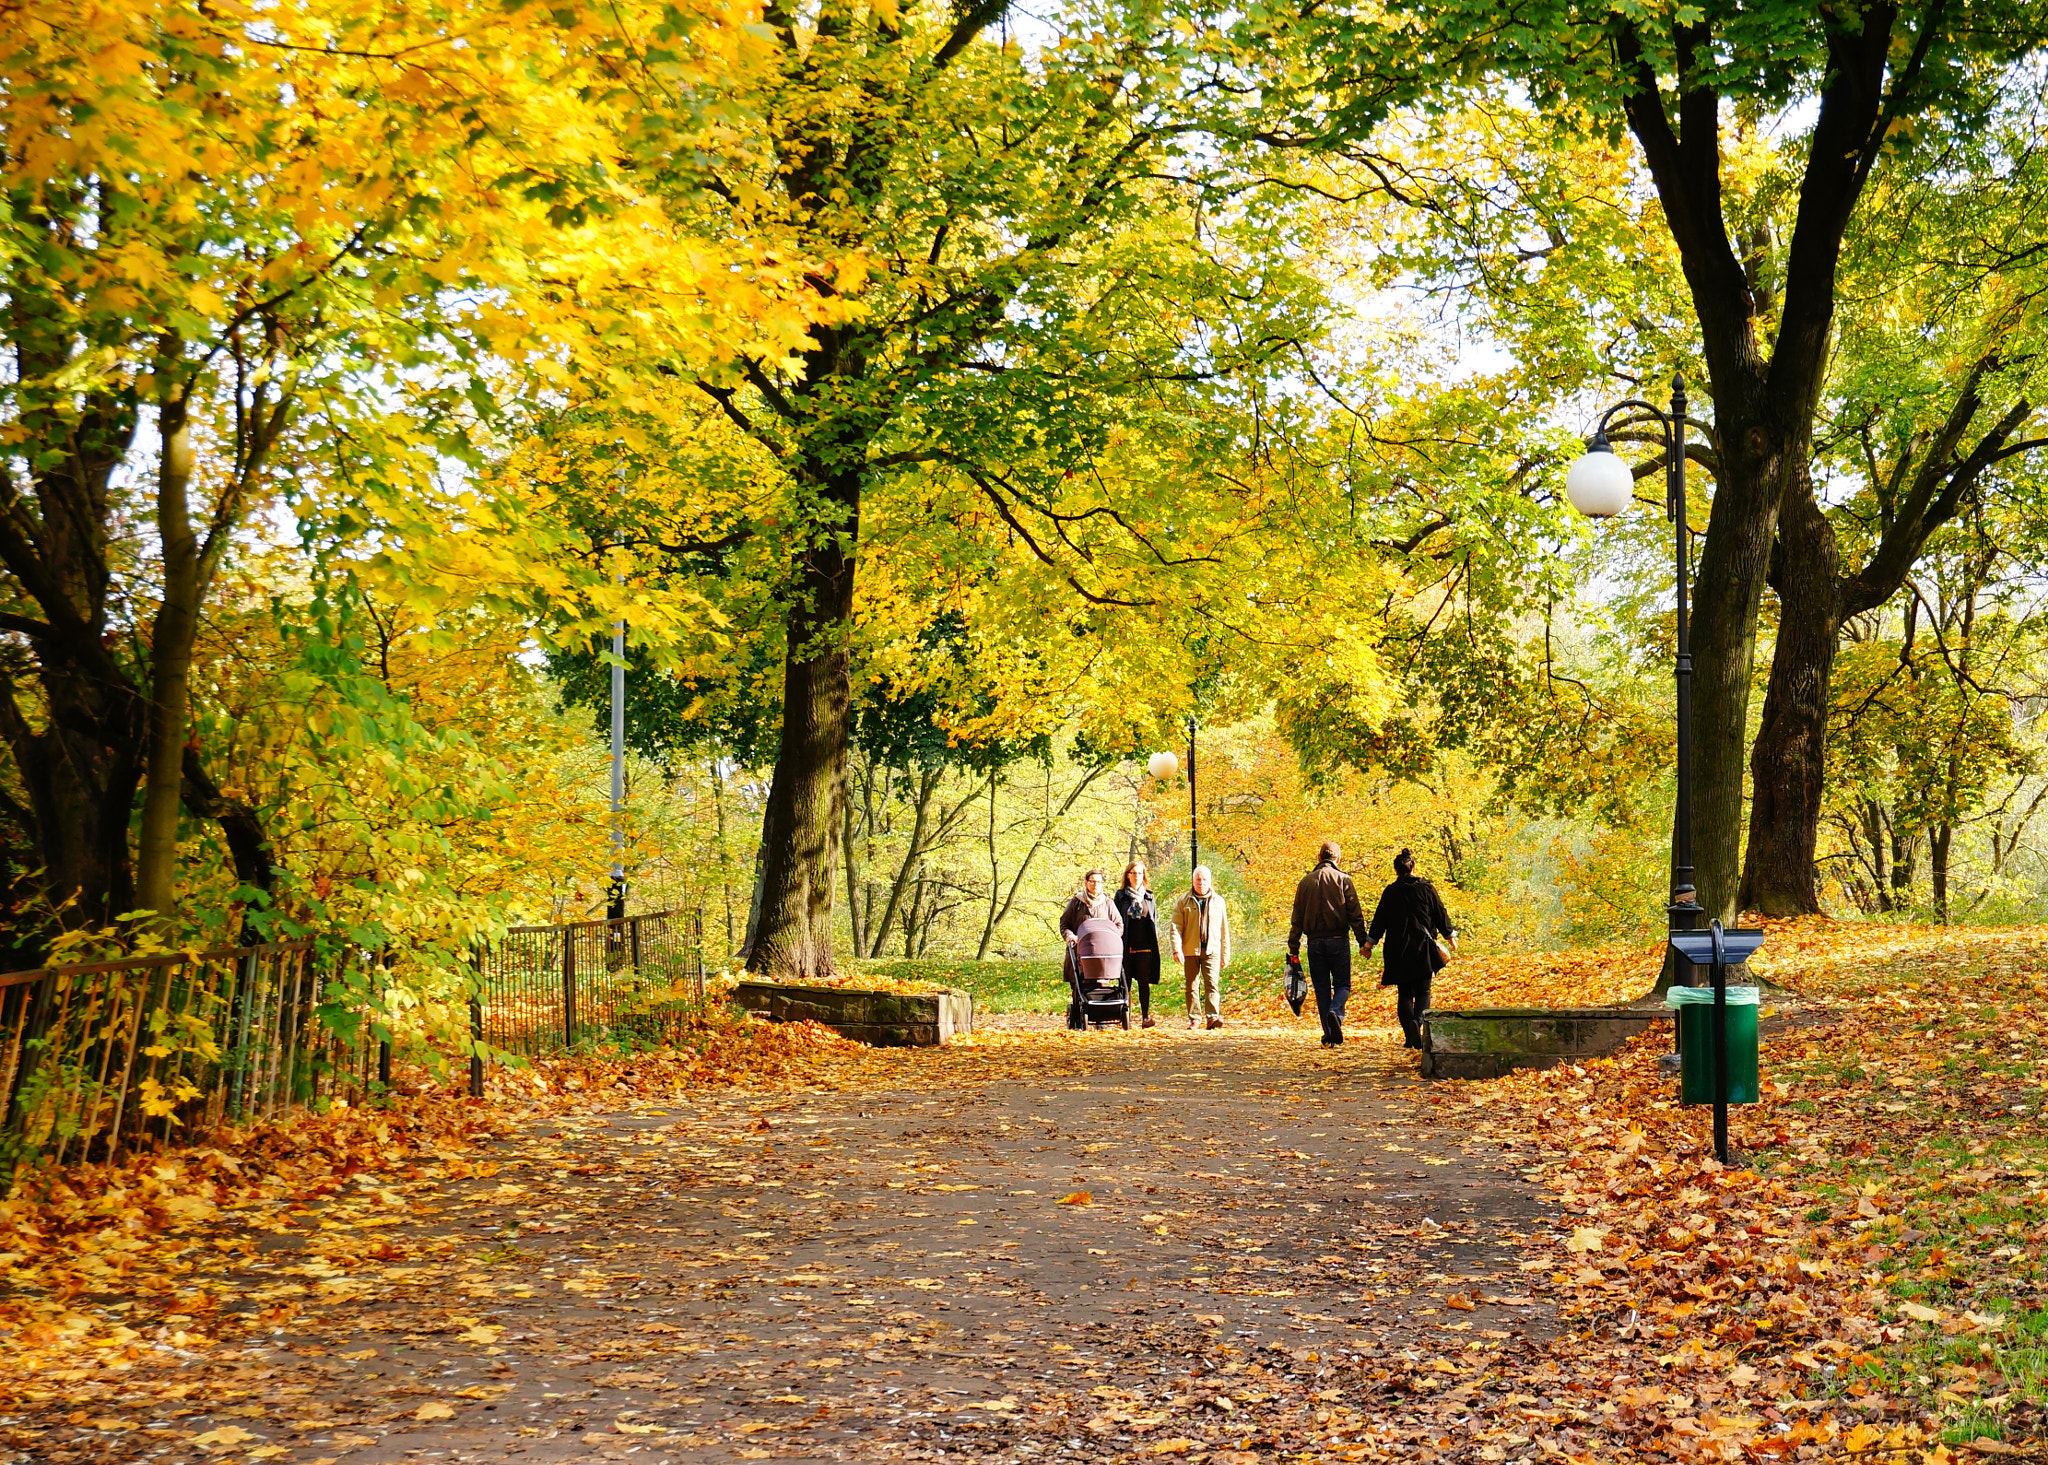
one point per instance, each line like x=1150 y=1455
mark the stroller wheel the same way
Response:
x=1127 y=1022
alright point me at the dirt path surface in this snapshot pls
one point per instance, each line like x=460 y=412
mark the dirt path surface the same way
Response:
x=1042 y=1247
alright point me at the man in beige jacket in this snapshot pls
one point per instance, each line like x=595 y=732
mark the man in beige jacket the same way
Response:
x=1201 y=944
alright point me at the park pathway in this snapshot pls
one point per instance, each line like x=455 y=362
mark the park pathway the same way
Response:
x=1229 y=1245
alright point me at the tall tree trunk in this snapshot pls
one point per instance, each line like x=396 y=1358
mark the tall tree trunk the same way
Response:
x=1874 y=831
x=913 y=858
x=1938 y=837
x=988 y=927
x=724 y=854
x=856 y=928
x=1905 y=856
x=800 y=829
x=1734 y=562
x=1788 y=764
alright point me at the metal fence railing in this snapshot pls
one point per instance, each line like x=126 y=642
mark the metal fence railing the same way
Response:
x=544 y=989
x=102 y=1057
x=99 y=1059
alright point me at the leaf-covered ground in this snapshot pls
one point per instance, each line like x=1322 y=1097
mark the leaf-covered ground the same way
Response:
x=1224 y=1247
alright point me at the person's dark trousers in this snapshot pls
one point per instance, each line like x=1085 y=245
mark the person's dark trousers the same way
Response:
x=1144 y=998
x=1409 y=1007
x=1329 y=970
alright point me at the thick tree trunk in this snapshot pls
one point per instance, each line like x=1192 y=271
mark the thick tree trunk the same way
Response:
x=80 y=772
x=1734 y=563
x=1788 y=764
x=801 y=829
x=1905 y=855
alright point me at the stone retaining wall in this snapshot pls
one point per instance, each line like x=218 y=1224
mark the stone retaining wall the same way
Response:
x=885 y=1019
x=1486 y=1042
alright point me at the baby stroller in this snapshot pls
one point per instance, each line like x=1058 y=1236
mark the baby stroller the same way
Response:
x=1095 y=973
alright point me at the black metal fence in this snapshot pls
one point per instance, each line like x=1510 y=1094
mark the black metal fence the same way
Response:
x=546 y=989
x=102 y=1058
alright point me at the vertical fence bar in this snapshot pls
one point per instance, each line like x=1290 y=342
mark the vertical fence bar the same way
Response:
x=569 y=987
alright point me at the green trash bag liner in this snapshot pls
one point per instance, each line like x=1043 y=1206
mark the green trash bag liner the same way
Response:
x=1688 y=996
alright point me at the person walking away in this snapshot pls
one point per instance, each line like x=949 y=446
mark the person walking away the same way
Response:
x=1326 y=911
x=1139 y=911
x=1201 y=944
x=1409 y=918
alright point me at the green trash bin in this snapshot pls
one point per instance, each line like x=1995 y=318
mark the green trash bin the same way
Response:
x=1695 y=1011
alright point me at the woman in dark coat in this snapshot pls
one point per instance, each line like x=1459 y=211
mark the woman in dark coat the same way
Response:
x=1409 y=918
x=1140 y=913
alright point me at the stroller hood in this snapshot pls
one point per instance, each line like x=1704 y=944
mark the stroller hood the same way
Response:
x=1099 y=947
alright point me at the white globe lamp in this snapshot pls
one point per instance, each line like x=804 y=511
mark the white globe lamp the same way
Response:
x=1599 y=484
x=1162 y=765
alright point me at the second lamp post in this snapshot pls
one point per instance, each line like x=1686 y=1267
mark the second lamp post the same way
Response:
x=1600 y=486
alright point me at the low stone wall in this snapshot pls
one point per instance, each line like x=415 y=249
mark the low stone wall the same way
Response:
x=885 y=1019
x=1486 y=1042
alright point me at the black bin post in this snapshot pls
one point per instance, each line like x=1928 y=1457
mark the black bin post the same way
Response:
x=1717 y=949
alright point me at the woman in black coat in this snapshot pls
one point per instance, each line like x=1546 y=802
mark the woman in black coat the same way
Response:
x=1409 y=918
x=1140 y=914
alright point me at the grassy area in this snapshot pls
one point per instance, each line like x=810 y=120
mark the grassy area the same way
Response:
x=996 y=986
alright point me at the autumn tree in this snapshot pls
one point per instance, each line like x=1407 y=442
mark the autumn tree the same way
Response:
x=1034 y=290
x=1687 y=85
x=256 y=251
x=1930 y=407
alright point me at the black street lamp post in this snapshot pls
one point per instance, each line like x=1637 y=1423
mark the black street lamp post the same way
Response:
x=1600 y=486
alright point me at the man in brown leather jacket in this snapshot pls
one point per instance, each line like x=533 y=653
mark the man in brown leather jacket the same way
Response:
x=1325 y=910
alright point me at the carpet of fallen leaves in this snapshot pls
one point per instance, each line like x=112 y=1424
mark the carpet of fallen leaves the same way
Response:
x=1865 y=1282
x=1867 y=1278
x=90 y=1231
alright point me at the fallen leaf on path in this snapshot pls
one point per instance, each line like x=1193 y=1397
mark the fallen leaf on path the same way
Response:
x=223 y=1436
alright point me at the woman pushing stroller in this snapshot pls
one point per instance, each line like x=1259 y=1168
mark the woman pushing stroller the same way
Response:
x=1090 y=903
x=1100 y=991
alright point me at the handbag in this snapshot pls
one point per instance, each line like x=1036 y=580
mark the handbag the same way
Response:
x=1443 y=950
x=1297 y=985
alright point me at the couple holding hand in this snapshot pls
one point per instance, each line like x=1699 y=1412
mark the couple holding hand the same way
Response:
x=1410 y=918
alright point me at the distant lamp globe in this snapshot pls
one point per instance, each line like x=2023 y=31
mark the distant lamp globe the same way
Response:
x=1162 y=765
x=1599 y=484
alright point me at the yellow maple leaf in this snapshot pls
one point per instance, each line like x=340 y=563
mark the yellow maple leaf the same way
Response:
x=223 y=1436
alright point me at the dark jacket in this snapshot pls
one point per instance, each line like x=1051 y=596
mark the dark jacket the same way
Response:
x=1409 y=917
x=1325 y=904
x=1080 y=908
x=1142 y=936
